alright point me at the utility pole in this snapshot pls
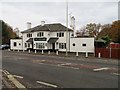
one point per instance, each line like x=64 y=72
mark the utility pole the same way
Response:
x=67 y=28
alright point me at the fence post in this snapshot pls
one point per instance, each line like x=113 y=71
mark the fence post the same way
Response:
x=77 y=54
x=86 y=55
x=110 y=52
x=49 y=52
x=99 y=55
x=42 y=52
x=29 y=51
x=56 y=52
x=35 y=51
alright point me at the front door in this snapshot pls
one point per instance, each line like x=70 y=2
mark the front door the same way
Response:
x=53 y=46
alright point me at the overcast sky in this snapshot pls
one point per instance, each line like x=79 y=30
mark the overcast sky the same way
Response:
x=17 y=13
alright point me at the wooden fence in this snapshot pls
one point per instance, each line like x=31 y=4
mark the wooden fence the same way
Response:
x=108 y=52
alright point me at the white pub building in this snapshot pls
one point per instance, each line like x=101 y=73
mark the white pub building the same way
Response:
x=52 y=37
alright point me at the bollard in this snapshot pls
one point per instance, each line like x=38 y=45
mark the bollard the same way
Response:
x=77 y=54
x=13 y=49
x=18 y=50
x=86 y=55
x=56 y=52
x=29 y=51
x=23 y=50
x=42 y=52
x=48 y=52
x=99 y=55
x=35 y=51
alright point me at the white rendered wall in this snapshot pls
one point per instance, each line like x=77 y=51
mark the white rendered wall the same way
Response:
x=78 y=45
x=34 y=35
x=18 y=42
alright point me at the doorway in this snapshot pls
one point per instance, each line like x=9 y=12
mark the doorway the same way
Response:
x=53 y=46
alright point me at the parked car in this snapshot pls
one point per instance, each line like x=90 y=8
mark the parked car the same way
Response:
x=5 y=46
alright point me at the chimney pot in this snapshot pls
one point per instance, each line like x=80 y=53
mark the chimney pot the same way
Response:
x=28 y=25
x=42 y=23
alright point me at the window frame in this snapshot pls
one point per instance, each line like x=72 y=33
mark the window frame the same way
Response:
x=84 y=45
x=15 y=44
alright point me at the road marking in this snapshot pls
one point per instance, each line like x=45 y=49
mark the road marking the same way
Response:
x=47 y=84
x=43 y=60
x=64 y=64
x=6 y=72
x=116 y=74
x=18 y=76
x=59 y=66
x=100 y=69
x=16 y=82
x=13 y=80
x=68 y=67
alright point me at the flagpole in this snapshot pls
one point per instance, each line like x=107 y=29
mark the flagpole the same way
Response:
x=67 y=28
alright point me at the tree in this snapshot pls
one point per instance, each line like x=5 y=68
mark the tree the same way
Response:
x=93 y=29
x=90 y=29
x=112 y=30
x=7 y=32
x=81 y=32
x=107 y=39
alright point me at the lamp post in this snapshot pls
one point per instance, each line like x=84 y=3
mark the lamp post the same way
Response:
x=66 y=27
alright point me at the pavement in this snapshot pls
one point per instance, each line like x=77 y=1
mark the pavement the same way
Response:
x=41 y=71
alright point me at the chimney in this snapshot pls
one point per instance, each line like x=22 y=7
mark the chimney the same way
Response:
x=42 y=23
x=28 y=25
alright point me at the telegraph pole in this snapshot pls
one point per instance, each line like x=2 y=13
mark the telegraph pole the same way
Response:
x=67 y=28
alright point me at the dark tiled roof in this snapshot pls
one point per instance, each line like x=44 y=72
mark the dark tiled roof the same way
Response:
x=48 y=27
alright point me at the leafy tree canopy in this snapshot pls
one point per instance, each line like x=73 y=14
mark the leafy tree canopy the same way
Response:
x=112 y=31
x=7 y=32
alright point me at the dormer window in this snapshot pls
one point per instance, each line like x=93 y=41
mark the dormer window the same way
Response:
x=60 y=34
x=29 y=35
x=40 y=34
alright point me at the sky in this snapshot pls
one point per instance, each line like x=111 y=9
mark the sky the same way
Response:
x=17 y=13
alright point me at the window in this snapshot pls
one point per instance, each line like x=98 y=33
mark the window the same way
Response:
x=40 y=34
x=28 y=44
x=84 y=45
x=62 y=45
x=29 y=35
x=61 y=34
x=73 y=44
x=25 y=44
x=57 y=34
x=40 y=45
x=19 y=43
x=15 y=44
x=72 y=34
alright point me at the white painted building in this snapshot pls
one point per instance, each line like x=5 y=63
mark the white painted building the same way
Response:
x=82 y=44
x=53 y=37
x=16 y=44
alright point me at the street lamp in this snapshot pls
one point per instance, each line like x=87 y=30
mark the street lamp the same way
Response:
x=66 y=27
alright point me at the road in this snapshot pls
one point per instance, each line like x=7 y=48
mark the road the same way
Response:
x=61 y=72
